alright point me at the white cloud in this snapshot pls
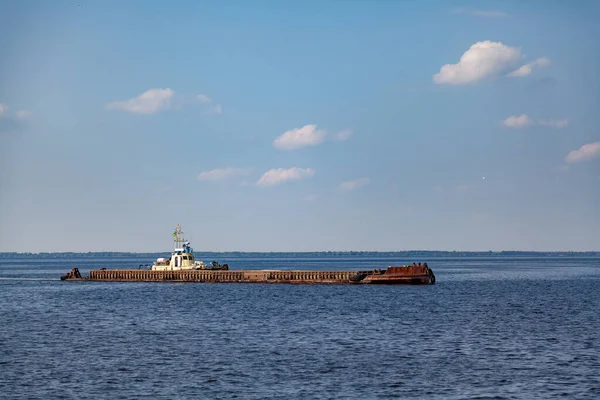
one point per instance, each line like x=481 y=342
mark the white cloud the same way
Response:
x=311 y=197
x=222 y=174
x=281 y=175
x=520 y=121
x=308 y=135
x=483 y=60
x=3 y=108
x=481 y=13
x=584 y=153
x=149 y=102
x=343 y=135
x=202 y=98
x=355 y=184
x=527 y=69
x=23 y=114
x=523 y=120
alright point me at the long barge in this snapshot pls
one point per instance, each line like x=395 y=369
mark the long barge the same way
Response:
x=182 y=267
x=415 y=275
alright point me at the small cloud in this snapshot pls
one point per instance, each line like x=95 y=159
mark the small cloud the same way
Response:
x=222 y=174
x=202 y=98
x=481 y=13
x=520 y=121
x=481 y=61
x=281 y=175
x=438 y=189
x=584 y=153
x=527 y=69
x=297 y=138
x=19 y=115
x=523 y=120
x=311 y=197
x=149 y=102
x=561 y=123
x=355 y=184
x=23 y=114
x=343 y=135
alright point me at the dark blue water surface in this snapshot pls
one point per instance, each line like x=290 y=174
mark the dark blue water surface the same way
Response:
x=491 y=327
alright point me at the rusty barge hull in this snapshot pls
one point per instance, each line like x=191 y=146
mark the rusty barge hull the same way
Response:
x=392 y=275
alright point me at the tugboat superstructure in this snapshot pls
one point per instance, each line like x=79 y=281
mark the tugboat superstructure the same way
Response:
x=182 y=258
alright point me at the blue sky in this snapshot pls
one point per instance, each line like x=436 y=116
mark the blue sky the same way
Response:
x=300 y=126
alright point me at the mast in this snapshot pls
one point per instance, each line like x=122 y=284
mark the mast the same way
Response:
x=177 y=236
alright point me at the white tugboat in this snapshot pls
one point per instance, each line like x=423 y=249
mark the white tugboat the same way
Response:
x=182 y=257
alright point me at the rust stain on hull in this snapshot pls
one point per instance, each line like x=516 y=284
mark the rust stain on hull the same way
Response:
x=413 y=275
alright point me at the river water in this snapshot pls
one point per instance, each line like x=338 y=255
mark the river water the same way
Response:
x=492 y=327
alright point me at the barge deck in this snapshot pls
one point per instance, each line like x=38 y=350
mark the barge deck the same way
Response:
x=392 y=275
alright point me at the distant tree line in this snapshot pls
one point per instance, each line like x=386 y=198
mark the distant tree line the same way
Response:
x=403 y=254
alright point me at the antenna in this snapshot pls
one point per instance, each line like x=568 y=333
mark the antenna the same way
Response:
x=177 y=235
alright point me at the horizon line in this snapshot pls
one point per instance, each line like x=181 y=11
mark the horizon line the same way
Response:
x=307 y=251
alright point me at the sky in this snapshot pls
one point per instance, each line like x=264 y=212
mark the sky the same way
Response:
x=300 y=125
